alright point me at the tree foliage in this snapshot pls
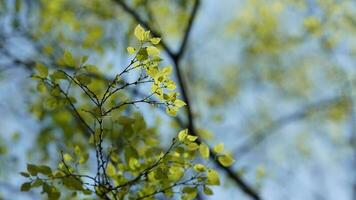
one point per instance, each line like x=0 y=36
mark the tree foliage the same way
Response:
x=141 y=110
x=129 y=160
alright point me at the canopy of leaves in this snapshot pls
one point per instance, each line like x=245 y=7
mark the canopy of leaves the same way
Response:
x=164 y=99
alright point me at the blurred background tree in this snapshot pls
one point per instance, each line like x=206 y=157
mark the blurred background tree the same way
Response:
x=272 y=80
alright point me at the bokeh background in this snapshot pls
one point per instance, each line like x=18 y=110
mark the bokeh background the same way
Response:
x=275 y=81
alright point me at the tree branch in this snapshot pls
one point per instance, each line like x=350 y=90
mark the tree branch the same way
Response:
x=145 y=24
x=176 y=58
x=187 y=32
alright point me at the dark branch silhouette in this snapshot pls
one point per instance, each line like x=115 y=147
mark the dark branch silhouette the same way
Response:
x=176 y=59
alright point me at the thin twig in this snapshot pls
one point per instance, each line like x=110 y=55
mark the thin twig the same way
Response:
x=176 y=57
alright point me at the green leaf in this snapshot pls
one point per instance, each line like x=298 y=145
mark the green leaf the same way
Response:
x=152 y=51
x=208 y=191
x=182 y=135
x=218 y=148
x=192 y=138
x=77 y=151
x=32 y=169
x=142 y=54
x=125 y=121
x=67 y=157
x=46 y=188
x=26 y=187
x=84 y=79
x=110 y=170
x=43 y=169
x=130 y=152
x=155 y=40
x=160 y=174
x=193 y=146
x=83 y=59
x=226 y=160
x=167 y=70
x=179 y=103
x=133 y=163
x=69 y=59
x=189 y=192
x=52 y=192
x=84 y=158
x=72 y=183
x=54 y=195
x=199 y=168
x=59 y=174
x=91 y=68
x=147 y=35
x=175 y=173
x=172 y=111
x=58 y=75
x=131 y=50
x=139 y=33
x=170 y=85
x=87 y=192
x=24 y=174
x=37 y=183
x=41 y=70
x=41 y=87
x=213 y=177
x=204 y=150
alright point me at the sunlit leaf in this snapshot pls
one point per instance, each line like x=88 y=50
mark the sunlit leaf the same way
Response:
x=204 y=150
x=226 y=160
x=155 y=40
x=140 y=33
x=213 y=177
x=218 y=148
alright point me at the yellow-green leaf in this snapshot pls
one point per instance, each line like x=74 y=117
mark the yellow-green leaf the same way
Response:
x=172 y=111
x=139 y=33
x=167 y=70
x=83 y=159
x=32 y=169
x=110 y=169
x=133 y=163
x=226 y=160
x=170 y=85
x=213 y=177
x=67 y=157
x=175 y=173
x=42 y=70
x=182 y=135
x=77 y=151
x=147 y=35
x=192 y=138
x=219 y=148
x=179 y=103
x=131 y=50
x=208 y=191
x=69 y=59
x=199 y=168
x=26 y=187
x=152 y=51
x=192 y=146
x=155 y=40
x=204 y=150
